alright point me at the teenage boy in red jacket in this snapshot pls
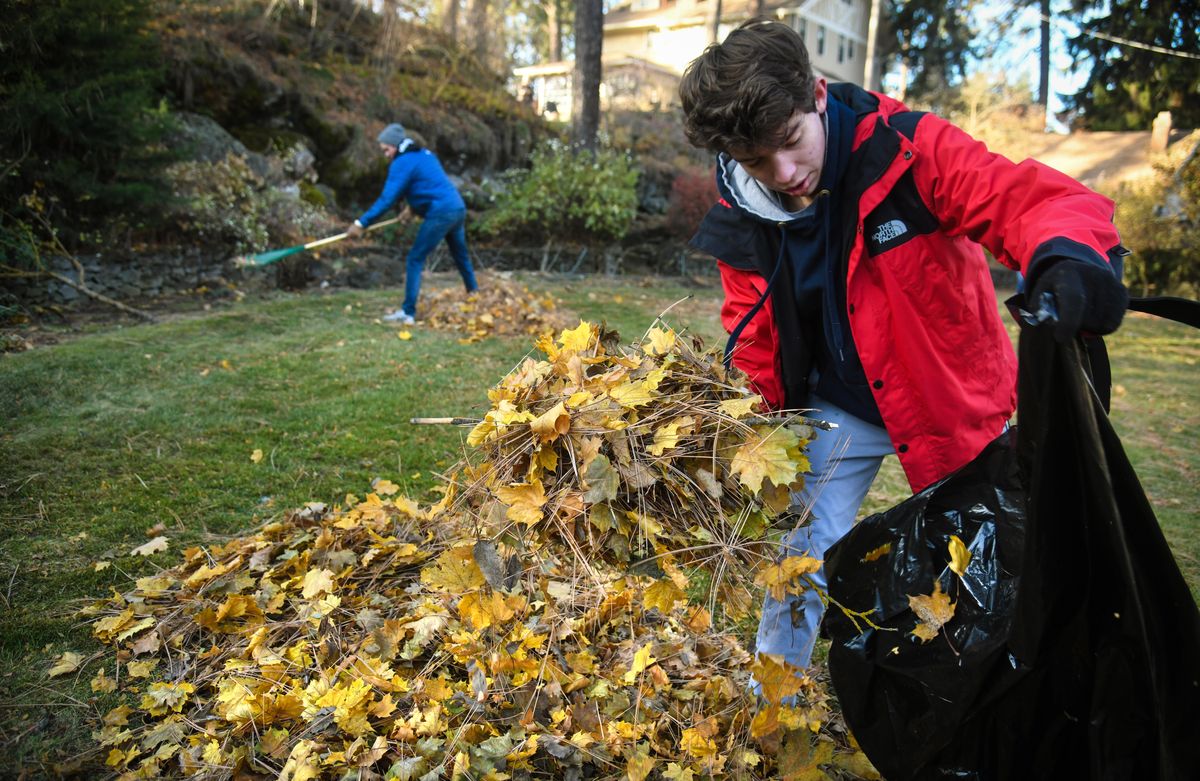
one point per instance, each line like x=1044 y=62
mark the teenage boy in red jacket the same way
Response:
x=848 y=237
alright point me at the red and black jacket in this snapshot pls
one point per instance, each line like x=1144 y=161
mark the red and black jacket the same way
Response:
x=918 y=199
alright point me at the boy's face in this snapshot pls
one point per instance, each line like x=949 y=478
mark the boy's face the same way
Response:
x=388 y=150
x=794 y=169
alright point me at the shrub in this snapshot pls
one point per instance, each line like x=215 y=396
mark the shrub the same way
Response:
x=77 y=81
x=692 y=194
x=230 y=205
x=567 y=195
x=1159 y=219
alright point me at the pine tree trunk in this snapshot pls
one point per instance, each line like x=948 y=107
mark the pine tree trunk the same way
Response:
x=589 y=37
x=450 y=19
x=554 y=32
x=1044 y=70
x=479 y=29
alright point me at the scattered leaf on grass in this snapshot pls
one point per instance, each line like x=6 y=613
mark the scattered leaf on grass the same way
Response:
x=68 y=662
x=156 y=545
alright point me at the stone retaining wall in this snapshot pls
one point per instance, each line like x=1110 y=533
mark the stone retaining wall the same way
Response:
x=129 y=280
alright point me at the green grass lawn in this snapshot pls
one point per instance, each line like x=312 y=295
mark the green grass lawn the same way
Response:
x=118 y=430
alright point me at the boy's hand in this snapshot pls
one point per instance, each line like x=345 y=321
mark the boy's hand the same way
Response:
x=354 y=231
x=1088 y=298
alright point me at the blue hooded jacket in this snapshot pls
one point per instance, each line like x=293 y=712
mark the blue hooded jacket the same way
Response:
x=415 y=175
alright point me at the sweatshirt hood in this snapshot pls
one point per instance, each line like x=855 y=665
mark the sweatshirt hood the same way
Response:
x=744 y=192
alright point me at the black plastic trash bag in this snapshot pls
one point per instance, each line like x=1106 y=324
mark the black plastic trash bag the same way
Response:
x=1074 y=648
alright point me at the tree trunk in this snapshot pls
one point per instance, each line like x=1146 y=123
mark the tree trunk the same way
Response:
x=589 y=38
x=869 y=79
x=1044 y=71
x=714 y=30
x=450 y=19
x=554 y=32
x=479 y=29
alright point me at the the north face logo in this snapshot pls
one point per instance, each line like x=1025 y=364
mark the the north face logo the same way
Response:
x=892 y=229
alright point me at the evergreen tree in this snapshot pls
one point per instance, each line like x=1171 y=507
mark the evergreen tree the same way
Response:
x=1136 y=76
x=934 y=42
x=77 y=89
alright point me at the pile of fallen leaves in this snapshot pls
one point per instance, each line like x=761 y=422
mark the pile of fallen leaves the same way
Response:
x=490 y=640
x=648 y=457
x=499 y=307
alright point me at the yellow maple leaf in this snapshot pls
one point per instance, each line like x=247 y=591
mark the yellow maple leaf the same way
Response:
x=857 y=764
x=661 y=341
x=212 y=753
x=640 y=764
x=118 y=716
x=552 y=423
x=777 y=678
x=667 y=436
x=631 y=394
x=676 y=772
x=663 y=594
x=697 y=744
x=578 y=338
x=784 y=577
x=699 y=619
x=933 y=611
x=454 y=571
x=301 y=763
x=740 y=408
x=141 y=669
x=68 y=662
x=107 y=628
x=102 y=683
x=317 y=581
x=641 y=660
x=771 y=453
x=163 y=698
x=384 y=487
x=960 y=557
x=801 y=756
x=404 y=336
x=257 y=455
x=483 y=610
x=524 y=500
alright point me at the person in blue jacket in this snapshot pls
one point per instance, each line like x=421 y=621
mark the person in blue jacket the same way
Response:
x=416 y=176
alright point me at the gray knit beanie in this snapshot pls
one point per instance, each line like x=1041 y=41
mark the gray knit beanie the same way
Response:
x=393 y=134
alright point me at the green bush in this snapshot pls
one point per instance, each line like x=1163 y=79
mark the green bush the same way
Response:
x=567 y=195
x=1159 y=220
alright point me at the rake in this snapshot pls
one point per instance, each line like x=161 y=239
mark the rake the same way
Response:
x=266 y=258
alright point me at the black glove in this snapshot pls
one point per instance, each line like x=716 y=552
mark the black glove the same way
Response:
x=1088 y=298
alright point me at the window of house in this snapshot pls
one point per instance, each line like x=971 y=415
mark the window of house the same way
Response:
x=820 y=39
x=644 y=5
x=841 y=48
x=802 y=28
x=850 y=48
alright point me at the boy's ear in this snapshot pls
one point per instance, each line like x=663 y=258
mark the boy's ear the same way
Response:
x=820 y=93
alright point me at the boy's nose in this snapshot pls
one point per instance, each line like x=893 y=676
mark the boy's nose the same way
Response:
x=782 y=168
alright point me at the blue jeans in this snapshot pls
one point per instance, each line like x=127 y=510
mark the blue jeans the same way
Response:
x=844 y=463
x=436 y=226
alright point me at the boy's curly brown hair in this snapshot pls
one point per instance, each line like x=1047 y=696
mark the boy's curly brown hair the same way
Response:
x=739 y=94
